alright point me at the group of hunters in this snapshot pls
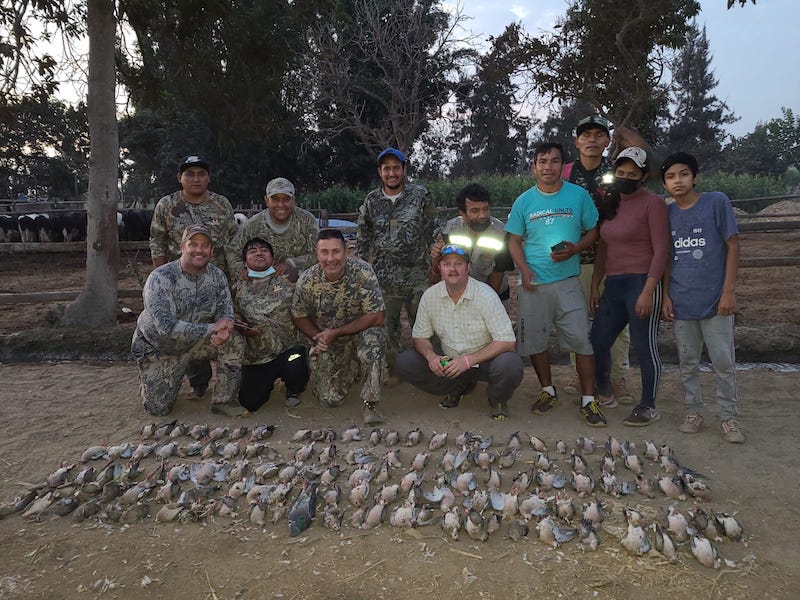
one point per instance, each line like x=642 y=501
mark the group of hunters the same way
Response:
x=599 y=260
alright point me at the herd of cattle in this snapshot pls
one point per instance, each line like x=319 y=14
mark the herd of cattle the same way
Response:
x=69 y=226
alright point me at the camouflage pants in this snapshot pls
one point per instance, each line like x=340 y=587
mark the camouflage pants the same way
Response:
x=160 y=376
x=337 y=369
x=395 y=300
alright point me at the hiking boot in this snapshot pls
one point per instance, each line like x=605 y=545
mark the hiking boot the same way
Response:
x=692 y=423
x=292 y=401
x=641 y=417
x=592 y=415
x=731 y=432
x=500 y=411
x=607 y=401
x=229 y=410
x=619 y=388
x=574 y=385
x=371 y=414
x=545 y=402
x=454 y=398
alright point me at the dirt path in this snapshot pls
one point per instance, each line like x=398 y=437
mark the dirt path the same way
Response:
x=53 y=412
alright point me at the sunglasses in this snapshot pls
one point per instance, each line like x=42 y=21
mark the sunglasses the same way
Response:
x=451 y=249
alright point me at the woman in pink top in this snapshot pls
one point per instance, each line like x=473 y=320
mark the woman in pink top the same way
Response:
x=632 y=255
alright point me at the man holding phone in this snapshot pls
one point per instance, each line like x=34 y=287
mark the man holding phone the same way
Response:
x=262 y=302
x=545 y=237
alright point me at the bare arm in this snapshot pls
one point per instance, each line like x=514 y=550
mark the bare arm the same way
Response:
x=727 y=302
x=518 y=256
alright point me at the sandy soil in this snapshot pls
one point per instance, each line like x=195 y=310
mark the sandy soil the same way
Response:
x=53 y=412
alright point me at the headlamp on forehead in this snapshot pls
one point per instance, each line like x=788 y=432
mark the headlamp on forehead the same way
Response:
x=607 y=179
x=490 y=243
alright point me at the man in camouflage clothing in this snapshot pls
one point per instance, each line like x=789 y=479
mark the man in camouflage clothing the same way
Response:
x=188 y=315
x=396 y=227
x=192 y=205
x=338 y=304
x=482 y=235
x=290 y=230
x=262 y=305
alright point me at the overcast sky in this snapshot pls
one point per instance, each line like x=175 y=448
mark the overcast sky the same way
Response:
x=756 y=53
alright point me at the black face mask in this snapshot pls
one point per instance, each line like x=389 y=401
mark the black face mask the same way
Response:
x=626 y=186
x=479 y=225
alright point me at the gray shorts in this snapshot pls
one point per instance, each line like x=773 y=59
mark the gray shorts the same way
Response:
x=560 y=305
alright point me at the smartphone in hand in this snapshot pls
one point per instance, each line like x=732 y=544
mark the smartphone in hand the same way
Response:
x=559 y=246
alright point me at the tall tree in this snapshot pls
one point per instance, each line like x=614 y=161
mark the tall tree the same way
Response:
x=383 y=68
x=769 y=149
x=97 y=304
x=699 y=119
x=613 y=53
x=493 y=138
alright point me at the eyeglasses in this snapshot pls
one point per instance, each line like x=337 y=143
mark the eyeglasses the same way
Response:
x=451 y=249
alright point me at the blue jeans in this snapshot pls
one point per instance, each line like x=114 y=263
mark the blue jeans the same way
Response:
x=616 y=309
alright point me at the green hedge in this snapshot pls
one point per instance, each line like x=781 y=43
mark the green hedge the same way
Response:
x=504 y=191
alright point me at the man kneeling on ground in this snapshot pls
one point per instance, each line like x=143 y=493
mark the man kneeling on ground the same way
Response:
x=262 y=302
x=477 y=339
x=188 y=315
x=338 y=304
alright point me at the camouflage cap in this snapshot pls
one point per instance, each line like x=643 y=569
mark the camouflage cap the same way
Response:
x=280 y=185
x=593 y=122
x=194 y=230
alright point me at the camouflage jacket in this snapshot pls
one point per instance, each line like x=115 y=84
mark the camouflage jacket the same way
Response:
x=173 y=214
x=179 y=309
x=592 y=182
x=396 y=236
x=483 y=247
x=331 y=304
x=264 y=304
x=296 y=244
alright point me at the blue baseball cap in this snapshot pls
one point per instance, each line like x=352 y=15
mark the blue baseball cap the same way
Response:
x=392 y=152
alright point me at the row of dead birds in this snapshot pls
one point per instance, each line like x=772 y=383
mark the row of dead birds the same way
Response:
x=121 y=491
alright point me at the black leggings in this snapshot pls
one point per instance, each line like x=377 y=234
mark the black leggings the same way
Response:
x=258 y=380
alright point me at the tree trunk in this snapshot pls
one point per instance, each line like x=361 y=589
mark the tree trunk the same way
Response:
x=97 y=304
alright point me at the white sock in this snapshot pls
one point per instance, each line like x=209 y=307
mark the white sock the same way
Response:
x=586 y=400
x=549 y=389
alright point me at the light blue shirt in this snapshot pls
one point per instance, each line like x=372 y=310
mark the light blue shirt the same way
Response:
x=546 y=219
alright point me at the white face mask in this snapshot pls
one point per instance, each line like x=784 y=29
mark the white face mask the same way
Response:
x=260 y=274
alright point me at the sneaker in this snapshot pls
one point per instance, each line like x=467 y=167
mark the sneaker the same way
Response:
x=292 y=401
x=371 y=414
x=574 y=385
x=692 y=423
x=454 y=398
x=545 y=402
x=619 y=388
x=592 y=415
x=229 y=410
x=607 y=401
x=731 y=432
x=500 y=411
x=641 y=417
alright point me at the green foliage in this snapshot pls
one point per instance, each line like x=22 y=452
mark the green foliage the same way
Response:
x=740 y=186
x=700 y=117
x=612 y=53
x=770 y=148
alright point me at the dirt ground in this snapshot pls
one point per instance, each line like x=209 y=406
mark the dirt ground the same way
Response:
x=53 y=410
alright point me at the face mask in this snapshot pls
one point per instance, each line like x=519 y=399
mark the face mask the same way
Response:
x=626 y=186
x=260 y=274
x=479 y=225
